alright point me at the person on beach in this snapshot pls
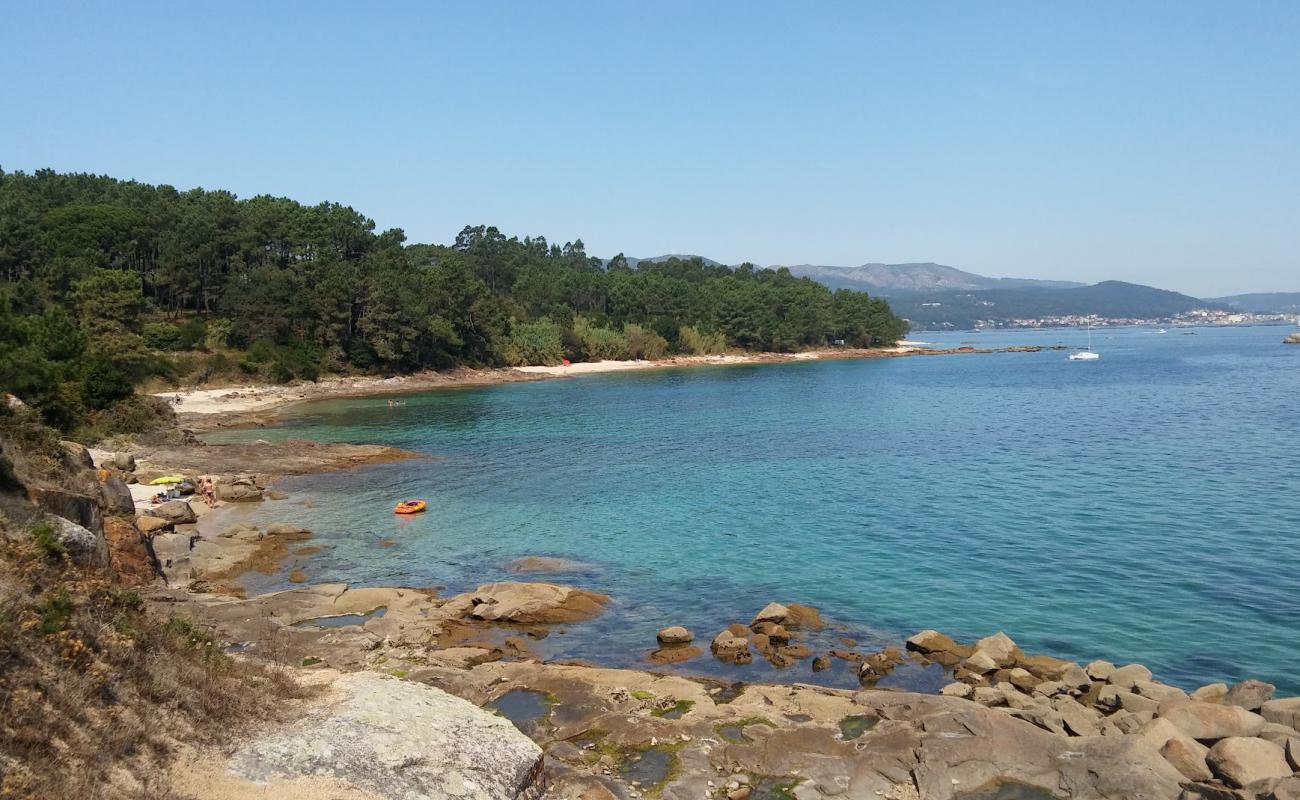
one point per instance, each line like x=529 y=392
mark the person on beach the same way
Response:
x=209 y=490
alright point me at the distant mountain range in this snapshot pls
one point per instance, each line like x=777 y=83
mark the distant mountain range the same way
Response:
x=938 y=296
x=1263 y=302
x=888 y=279
x=1108 y=299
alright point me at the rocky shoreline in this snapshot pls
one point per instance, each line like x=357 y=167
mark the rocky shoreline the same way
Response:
x=1006 y=725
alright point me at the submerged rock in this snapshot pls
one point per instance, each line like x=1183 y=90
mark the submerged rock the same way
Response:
x=397 y=739
x=543 y=564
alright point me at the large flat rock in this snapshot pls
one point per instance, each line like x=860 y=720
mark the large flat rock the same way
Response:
x=397 y=739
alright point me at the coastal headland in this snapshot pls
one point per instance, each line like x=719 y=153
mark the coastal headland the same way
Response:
x=415 y=685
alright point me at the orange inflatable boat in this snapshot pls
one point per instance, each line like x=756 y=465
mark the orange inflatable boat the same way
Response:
x=410 y=507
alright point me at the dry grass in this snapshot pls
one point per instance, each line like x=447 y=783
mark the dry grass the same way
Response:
x=96 y=692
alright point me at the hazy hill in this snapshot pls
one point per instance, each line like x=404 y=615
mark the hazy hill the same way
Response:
x=1262 y=302
x=1112 y=299
x=891 y=279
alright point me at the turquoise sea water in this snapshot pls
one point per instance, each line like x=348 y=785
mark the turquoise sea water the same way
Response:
x=1144 y=507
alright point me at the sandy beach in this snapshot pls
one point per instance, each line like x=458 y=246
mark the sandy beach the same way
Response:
x=256 y=403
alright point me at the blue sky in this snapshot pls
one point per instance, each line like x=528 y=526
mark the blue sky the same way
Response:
x=1152 y=142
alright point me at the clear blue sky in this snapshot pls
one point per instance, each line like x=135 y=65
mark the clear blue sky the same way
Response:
x=1152 y=142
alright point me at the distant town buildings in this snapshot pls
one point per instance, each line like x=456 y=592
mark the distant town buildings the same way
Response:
x=1201 y=316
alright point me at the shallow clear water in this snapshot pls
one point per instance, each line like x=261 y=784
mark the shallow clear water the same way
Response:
x=1139 y=508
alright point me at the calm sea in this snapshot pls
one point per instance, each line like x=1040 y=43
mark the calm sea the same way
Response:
x=1144 y=507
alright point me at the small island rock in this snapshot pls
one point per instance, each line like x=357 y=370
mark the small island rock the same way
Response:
x=675 y=635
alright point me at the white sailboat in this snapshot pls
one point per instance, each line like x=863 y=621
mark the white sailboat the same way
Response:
x=1086 y=355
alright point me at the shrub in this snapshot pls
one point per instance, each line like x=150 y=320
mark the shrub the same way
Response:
x=55 y=611
x=536 y=342
x=194 y=333
x=599 y=344
x=217 y=333
x=162 y=336
x=643 y=343
x=47 y=541
x=690 y=340
x=104 y=382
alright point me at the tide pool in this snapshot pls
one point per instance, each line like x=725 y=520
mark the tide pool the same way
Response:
x=1143 y=507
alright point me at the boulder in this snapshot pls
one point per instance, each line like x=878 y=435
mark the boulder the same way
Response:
x=177 y=512
x=1283 y=788
x=1283 y=712
x=1239 y=761
x=735 y=649
x=1022 y=679
x=1127 y=676
x=1188 y=757
x=238 y=492
x=1209 y=721
x=1250 y=694
x=772 y=612
x=84 y=547
x=534 y=602
x=1278 y=734
x=76 y=457
x=83 y=509
x=957 y=690
x=980 y=663
x=929 y=641
x=1211 y=693
x=1158 y=731
x=1136 y=703
x=122 y=461
x=151 y=524
x=1046 y=667
x=998 y=647
x=821 y=663
x=1078 y=720
x=1074 y=677
x=1100 y=670
x=1292 y=748
x=988 y=696
x=128 y=554
x=1158 y=691
x=675 y=635
x=396 y=739
x=1292 y=339
x=115 y=496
